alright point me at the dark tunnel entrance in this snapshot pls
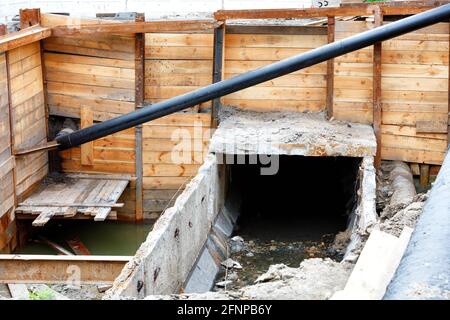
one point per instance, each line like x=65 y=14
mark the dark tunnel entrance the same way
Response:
x=307 y=197
x=291 y=215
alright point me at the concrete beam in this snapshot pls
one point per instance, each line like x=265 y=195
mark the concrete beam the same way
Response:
x=60 y=269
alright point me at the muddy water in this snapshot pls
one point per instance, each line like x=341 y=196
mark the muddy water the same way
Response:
x=258 y=255
x=275 y=241
x=100 y=238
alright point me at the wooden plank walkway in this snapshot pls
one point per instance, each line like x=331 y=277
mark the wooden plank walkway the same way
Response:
x=69 y=195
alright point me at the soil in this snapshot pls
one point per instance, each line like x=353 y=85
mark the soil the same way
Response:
x=257 y=256
x=314 y=279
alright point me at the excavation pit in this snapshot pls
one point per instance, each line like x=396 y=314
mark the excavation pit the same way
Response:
x=333 y=159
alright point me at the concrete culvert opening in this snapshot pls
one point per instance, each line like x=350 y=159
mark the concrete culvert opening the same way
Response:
x=293 y=214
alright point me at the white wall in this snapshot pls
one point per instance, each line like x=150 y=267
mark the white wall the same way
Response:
x=152 y=8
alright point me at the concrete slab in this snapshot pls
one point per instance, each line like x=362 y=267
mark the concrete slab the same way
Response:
x=290 y=133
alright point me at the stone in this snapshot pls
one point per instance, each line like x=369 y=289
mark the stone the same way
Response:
x=231 y=264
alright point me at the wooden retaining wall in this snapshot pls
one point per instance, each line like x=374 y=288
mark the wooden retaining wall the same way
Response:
x=7 y=223
x=414 y=91
x=23 y=124
x=96 y=77
x=247 y=49
x=29 y=123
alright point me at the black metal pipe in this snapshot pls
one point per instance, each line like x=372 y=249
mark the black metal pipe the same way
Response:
x=251 y=78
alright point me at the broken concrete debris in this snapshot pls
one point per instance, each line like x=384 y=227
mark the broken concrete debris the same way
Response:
x=231 y=264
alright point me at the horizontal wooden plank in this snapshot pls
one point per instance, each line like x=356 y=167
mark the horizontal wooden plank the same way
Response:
x=281 y=41
x=353 y=10
x=69 y=106
x=178 y=39
x=432 y=126
x=275 y=29
x=293 y=81
x=95 y=61
x=344 y=82
x=178 y=53
x=408 y=108
x=413 y=143
x=182 y=119
x=413 y=97
x=353 y=69
x=102 y=154
x=280 y=93
x=170 y=170
x=276 y=105
x=102 y=42
x=90 y=91
x=91 y=52
x=178 y=66
x=237 y=67
x=194 y=132
x=134 y=27
x=415 y=57
x=261 y=54
x=410 y=131
x=53 y=269
x=414 y=84
x=397 y=57
x=414 y=70
x=157 y=194
x=87 y=69
x=415 y=45
x=365 y=117
x=90 y=79
x=98 y=167
x=408 y=155
x=23 y=37
x=167 y=157
x=178 y=79
x=163 y=183
x=156 y=92
x=179 y=146
x=410 y=119
x=406 y=37
x=353 y=95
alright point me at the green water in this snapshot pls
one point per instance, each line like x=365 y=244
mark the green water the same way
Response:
x=100 y=238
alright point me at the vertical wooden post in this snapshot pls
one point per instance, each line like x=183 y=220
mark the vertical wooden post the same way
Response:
x=424 y=175
x=29 y=17
x=377 y=48
x=3 y=31
x=218 y=69
x=139 y=102
x=330 y=69
x=87 y=149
